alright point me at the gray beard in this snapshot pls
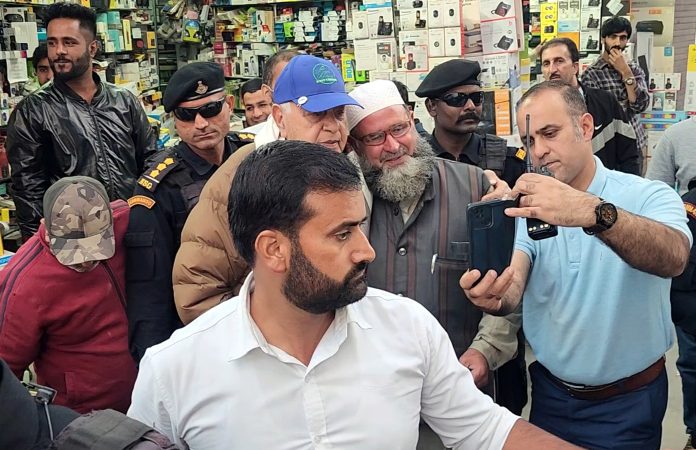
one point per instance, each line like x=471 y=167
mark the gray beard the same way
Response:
x=404 y=182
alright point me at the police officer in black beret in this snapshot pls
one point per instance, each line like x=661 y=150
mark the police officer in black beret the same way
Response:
x=166 y=193
x=455 y=101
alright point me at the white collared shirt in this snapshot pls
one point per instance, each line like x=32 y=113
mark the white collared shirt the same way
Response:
x=383 y=363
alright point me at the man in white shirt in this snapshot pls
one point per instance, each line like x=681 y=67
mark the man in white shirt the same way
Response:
x=307 y=356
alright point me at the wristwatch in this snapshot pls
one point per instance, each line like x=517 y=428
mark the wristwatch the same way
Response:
x=630 y=81
x=605 y=216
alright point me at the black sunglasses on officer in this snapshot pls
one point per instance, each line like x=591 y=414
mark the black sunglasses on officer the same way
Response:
x=460 y=99
x=206 y=111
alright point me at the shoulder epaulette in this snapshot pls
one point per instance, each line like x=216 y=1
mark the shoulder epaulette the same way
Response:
x=520 y=153
x=690 y=210
x=159 y=166
x=242 y=137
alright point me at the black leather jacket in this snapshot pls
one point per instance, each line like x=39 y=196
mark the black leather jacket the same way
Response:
x=53 y=133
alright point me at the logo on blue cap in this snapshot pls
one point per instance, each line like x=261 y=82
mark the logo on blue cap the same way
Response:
x=322 y=75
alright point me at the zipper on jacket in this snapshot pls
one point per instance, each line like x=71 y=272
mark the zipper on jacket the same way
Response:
x=111 y=189
x=121 y=297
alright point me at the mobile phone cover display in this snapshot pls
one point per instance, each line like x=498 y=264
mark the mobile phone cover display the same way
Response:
x=491 y=235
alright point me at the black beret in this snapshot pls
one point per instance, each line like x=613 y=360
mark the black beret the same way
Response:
x=193 y=81
x=448 y=75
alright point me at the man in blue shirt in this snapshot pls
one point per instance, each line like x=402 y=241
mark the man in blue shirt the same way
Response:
x=596 y=297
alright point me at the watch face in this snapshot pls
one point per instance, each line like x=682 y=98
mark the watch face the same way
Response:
x=608 y=214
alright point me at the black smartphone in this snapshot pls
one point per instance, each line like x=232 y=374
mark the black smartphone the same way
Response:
x=491 y=235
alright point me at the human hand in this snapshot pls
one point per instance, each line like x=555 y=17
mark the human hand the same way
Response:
x=552 y=201
x=488 y=293
x=499 y=189
x=474 y=360
x=617 y=60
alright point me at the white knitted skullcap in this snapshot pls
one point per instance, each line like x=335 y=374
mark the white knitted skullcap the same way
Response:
x=373 y=96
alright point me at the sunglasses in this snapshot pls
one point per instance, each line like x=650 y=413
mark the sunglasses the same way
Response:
x=459 y=99
x=206 y=111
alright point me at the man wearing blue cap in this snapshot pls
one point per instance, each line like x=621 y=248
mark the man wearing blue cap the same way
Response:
x=309 y=99
x=166 y=193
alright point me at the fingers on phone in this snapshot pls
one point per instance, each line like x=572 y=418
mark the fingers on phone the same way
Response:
x=469 y=278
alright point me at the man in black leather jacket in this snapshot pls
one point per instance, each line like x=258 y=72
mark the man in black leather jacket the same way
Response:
x=76 y=125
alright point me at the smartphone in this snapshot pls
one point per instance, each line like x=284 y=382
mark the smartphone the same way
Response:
x=491 y=235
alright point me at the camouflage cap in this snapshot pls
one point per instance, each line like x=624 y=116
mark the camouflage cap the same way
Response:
x=79 y=221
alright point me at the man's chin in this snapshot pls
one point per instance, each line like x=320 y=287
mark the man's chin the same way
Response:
x=467 y=127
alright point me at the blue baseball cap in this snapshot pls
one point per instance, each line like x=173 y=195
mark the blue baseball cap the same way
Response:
x=312 y=83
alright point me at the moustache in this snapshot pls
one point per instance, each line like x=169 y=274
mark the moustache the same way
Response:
x=390 y=156
x=359 y=269
x=469 y=116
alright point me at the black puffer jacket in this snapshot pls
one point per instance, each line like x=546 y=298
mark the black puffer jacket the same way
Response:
x=54 y=133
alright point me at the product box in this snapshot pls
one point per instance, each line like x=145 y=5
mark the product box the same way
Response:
x=452 y=13
x=127 y=36
x=453 y=41
x=436 y=42
x=436 y=14
x=503 y=117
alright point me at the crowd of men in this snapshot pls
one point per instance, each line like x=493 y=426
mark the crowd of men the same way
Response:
x=217 y=291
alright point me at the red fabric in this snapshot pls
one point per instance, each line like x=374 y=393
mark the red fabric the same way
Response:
x=72 y=325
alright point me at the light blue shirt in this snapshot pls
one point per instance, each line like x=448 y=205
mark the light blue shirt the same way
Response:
x=589 y=317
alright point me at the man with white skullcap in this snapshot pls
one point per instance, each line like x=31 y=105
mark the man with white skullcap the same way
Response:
x=418 y=226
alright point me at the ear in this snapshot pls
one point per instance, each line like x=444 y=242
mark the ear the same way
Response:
x=45 y=235
x=587 y=126
x=266 y=89
x=430 y=106
x=230 y=101
x=93 y=48
x=279 y=119
x=353 y=144
x=576 y=67
x=272 y=250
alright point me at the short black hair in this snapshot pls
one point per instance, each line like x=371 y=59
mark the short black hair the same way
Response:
x=40 y=52
x=616 y=24
x=273 y=61
x=269 y=189
x=62 y=10
x=571 y=96
x=250 y=87
x=403 y=92
x=569 y=43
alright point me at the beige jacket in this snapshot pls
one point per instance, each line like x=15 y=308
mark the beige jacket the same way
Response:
x=207 y=268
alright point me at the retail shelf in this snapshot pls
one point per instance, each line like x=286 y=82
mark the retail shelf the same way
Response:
x=256 y=3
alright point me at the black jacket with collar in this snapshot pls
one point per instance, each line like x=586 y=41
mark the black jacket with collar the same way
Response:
x=614 y=139
x=54 y=133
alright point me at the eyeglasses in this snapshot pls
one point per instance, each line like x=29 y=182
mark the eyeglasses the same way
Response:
x=378 y=138
x=459 y=99
x=207 y=111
